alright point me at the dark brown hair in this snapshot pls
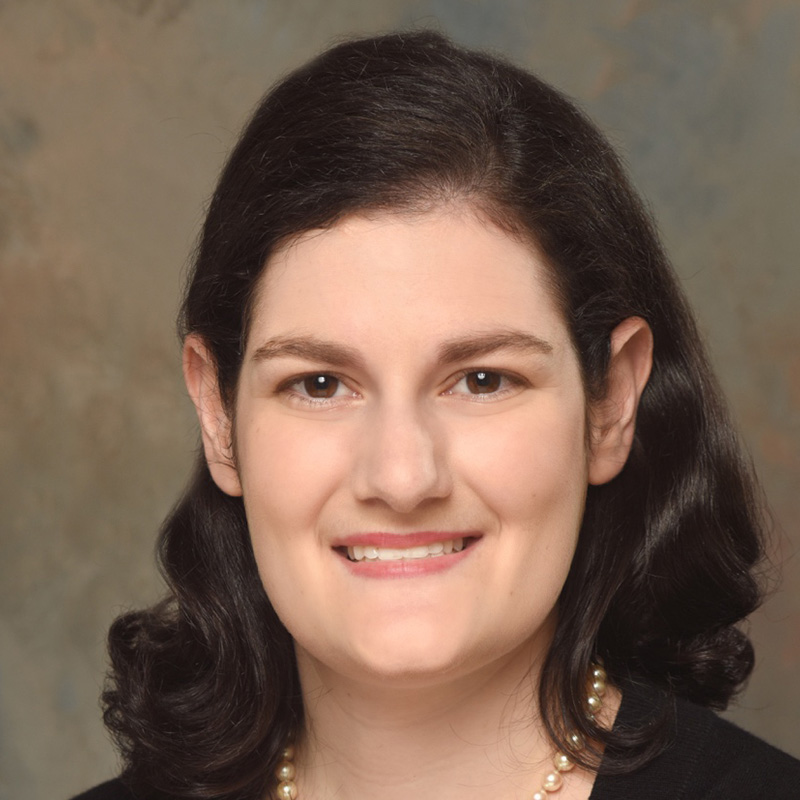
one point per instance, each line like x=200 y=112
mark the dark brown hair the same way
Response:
x=204 y=690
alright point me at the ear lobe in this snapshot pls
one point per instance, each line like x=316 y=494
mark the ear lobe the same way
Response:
x=613 y=419
x=200 y=375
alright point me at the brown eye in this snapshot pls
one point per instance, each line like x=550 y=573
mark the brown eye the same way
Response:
x=483 y=382
x=320 y=386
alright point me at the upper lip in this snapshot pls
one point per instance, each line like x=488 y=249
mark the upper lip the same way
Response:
x=401 y=541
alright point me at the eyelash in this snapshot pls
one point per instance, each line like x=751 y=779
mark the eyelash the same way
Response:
x=511 y=381
x=290 y=387
x=508 y=382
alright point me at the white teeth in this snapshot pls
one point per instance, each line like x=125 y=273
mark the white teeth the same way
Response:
x=433 y=550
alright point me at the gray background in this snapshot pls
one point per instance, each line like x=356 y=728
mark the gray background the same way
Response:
x=114 y=120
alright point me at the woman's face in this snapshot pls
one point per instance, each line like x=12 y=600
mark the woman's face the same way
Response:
x=411 y=445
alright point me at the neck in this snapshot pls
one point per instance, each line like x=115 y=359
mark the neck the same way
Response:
x=474 y=736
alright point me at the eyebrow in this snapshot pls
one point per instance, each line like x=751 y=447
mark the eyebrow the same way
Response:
x=481 y=344
x=309 y=348
x=462 y=348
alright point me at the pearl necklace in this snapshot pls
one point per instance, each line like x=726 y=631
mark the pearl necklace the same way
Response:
x=552 y=782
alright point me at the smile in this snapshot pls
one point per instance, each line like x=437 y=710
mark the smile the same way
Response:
x=432 y=550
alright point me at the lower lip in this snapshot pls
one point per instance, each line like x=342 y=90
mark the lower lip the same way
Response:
x=407 y=568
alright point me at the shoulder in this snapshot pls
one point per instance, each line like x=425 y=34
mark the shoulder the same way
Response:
x=708 y=758
x=733 y=763
x=110 y=790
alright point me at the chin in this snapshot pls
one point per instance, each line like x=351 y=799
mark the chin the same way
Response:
x=408 y=673
x=402 y=656
x=415 y=658
x=419 y=655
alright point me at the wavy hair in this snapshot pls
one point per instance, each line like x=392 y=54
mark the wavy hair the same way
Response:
x=203 y=689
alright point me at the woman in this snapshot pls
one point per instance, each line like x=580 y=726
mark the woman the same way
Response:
x=470 y=518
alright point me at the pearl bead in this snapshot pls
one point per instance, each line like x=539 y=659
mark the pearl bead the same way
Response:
x=575 y=741
x=552 y=782
x=539 y=796
x=288 y=752
x=599 y=673
x=599 y=687
x=562 y=763
x=287 y=790
x=593 y=703
x=285 y=771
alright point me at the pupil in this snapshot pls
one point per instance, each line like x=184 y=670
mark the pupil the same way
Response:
x=483 y=382
x=321 y=386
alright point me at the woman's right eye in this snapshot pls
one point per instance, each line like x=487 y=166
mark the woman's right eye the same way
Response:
x=320 y=387
x=315 y=389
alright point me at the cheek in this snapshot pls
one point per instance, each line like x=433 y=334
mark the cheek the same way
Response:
x=288 y=469
x=531 y=474
x=528 y=464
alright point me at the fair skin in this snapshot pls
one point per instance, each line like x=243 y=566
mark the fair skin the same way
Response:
x=409 y=383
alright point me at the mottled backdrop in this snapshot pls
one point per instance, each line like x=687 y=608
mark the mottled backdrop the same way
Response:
x=114 y=120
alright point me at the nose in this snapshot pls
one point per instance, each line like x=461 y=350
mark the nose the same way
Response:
x=401 y=459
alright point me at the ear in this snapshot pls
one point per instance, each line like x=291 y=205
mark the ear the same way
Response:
x=200 y=374
x=613 y=419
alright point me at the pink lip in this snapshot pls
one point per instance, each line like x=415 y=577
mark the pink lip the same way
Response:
x=404 y=569
x=402 y=540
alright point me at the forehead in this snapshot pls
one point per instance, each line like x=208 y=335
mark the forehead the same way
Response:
x=424 y=275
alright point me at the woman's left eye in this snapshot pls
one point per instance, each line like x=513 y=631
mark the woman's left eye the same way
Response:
x=483 y=382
